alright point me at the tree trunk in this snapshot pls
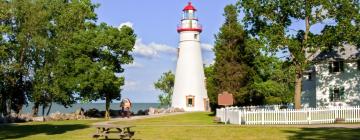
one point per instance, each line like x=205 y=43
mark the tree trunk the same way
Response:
x=48 y=112
x=299 y=66
x=107 y=107
x=8 y=108
x=298 y=85
x=3 y=106
x=43 y=111
x=35 y=109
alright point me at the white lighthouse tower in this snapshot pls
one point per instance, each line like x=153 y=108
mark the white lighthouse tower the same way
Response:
x=189 y=89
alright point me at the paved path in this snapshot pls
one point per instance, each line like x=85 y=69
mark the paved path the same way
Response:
x=112 y=120
x=355 y=126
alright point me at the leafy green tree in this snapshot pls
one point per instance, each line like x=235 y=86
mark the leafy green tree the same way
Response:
x=270 y=22
x=4 y=27
x=20 y=33
x=48 y=87
x=90 y=64
x=272 y=83
x=41 y=28
x=165 y=84
x=44 y=56
x=211 y=86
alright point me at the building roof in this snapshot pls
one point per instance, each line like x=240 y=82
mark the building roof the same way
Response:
x=189 y=7
x=347 y=52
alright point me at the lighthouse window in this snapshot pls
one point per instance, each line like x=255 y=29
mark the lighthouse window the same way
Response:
x=190 y=101
x=195 y=36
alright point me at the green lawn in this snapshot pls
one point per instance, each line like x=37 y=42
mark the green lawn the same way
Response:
x=190 y=126
x=58 y=130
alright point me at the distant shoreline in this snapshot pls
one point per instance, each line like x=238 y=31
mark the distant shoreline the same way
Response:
x=99 y=106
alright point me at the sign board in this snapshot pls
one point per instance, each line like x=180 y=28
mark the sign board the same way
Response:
x=225 y=99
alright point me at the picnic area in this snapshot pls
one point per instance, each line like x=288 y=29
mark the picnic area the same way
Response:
x=187 y=126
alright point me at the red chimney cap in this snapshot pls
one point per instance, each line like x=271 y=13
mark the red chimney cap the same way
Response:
x=189 y=7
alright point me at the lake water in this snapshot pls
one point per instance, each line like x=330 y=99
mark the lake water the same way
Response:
x=100 y=106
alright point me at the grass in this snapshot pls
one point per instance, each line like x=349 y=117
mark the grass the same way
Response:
x=57 y=130
x=200 y=126
x=189 y=126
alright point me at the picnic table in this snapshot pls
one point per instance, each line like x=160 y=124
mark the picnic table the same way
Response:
x=105 y=130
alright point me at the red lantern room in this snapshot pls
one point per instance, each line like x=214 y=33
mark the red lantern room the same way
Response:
x=189 y=21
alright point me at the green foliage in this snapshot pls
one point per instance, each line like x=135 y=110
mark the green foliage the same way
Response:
x=230 y=70
x=50 y=55
x=244 y=67
x=272 y=83
x=211 y=86
x=89 y=65
x=269 y=23
x=165 y=84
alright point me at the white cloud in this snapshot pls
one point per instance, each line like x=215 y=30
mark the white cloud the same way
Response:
x=130 y=85
x=134 y=65
x=152 y=50
x=206 y=47
x=128 y=23
x=208 y=62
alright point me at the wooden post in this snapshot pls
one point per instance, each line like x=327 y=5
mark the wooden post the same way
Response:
x=286 y=117
x=309 y=116
x=262 y=116
x=239 y=111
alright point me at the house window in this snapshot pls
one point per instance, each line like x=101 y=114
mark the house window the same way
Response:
x=336 y=66
x=309 y=76
x=337 y=94
x=195 y=36
x=190 y=101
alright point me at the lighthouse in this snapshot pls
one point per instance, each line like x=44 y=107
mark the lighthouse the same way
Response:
x=189 y=88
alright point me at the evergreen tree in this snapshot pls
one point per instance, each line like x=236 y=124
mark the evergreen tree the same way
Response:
x=231 y=72
x=244 y=67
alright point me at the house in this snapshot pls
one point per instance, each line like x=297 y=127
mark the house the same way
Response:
x=333 y=79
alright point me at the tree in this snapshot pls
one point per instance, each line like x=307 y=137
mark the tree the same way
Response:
x=231 y=72
x=4 y=27
x=165 y=84
x=272 y=81
x=44 y=56
x=47 y=27
x=271 y=22
x=90 y=64
x=211 y=86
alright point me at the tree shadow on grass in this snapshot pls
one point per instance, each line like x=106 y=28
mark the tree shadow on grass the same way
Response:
x=14 y=131
x=212 y=114
x=325 y=133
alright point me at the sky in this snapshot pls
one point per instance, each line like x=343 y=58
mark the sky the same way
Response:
x=155 y=22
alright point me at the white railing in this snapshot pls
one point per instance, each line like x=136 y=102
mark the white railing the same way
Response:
x=236 y=115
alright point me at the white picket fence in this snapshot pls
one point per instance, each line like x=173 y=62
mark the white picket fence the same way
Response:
x=235 y=115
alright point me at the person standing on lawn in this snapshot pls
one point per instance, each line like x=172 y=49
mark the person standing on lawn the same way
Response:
x=125 y=108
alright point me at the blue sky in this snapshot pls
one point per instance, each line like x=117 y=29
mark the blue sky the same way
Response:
x=155 y=24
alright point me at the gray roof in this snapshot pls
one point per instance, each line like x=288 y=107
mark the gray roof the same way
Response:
x=347 y=52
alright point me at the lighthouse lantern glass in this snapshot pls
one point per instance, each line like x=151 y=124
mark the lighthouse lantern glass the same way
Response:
x=189 y=14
